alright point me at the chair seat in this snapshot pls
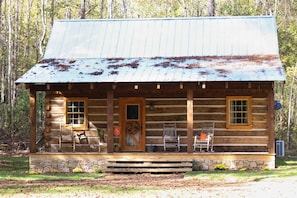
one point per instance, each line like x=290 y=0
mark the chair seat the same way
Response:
x=171 y=139
x=66 y=138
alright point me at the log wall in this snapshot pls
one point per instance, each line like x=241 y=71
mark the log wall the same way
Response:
x=170 y=105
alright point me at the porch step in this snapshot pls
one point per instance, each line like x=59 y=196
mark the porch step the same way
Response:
x=148 y=166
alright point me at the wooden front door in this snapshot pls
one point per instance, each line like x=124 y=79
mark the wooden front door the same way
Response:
x=132 y=124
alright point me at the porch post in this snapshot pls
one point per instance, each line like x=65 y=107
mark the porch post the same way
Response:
x=32 y=121
x=190 y=120
x=270 y=128
x=110 y=121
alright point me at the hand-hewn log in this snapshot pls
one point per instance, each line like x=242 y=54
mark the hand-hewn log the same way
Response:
x=32 y=121
x=190 y=120
x=110 y=121
x=270 y=122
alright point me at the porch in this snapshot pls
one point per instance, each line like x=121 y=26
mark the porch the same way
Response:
x=159 y=162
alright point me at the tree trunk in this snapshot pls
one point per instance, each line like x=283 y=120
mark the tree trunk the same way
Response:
x=52 y=12
x=211 y=8
x=290 y=110
x=67 y=10
x=83 y=9
x=102 y=9
x=124 y=9
x=109 y=7
x=2 y=65
x=2 y=62
x=9 y=60
x=43 y=20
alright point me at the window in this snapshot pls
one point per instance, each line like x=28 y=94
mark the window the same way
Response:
x=76 y=113
x=238 y=112
x=132 y=112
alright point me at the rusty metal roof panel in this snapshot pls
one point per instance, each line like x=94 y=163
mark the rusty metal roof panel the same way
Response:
x=181 y=69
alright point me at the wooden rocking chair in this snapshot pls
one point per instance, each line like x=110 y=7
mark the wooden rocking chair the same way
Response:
x=66 y=138
x=170 y=137
x=205 y=140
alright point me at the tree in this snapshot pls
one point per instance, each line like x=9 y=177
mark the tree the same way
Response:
x=211 y=8
x=83 y=9
x=43 y=21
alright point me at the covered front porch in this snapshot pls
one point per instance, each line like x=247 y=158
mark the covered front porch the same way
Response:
x=188 y=108
x=159 y=162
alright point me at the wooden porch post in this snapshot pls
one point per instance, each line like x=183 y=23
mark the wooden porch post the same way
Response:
x=110 y=121
x=270 y=122
x=190 y=120
x=32 y=121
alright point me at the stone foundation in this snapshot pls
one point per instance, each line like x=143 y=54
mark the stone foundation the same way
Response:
x=92 y=162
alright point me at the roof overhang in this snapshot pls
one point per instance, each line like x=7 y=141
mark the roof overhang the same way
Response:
x=157 y=69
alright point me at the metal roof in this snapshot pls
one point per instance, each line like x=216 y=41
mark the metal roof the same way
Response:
x=163 y=50
x=248 y=68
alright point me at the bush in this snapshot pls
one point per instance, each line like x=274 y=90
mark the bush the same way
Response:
x=220 y=167
x=266 y=168
x=77 y=170
x=33 y=173
x=99 y=169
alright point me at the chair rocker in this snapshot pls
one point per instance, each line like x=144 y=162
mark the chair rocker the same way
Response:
x=66 y=138
x=205 y=140
x=170 y=137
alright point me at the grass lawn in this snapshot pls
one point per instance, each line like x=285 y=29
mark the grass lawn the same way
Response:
x=286 y=167
x=15 y=179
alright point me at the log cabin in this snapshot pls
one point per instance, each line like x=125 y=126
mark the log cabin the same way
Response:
x=118 y=81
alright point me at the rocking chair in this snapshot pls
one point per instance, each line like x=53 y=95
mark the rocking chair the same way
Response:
x=170 y=137
x=66 y=138
x=205 y=140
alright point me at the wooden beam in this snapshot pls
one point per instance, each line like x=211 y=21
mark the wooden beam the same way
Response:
x=190 y=122
x=270 y=122
x=32 y=121
x=110 y=121
x=91 y=86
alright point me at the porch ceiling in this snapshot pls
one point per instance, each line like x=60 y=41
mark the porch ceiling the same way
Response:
x=157 y=69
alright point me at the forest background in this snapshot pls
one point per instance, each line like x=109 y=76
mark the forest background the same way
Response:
x=25 y=27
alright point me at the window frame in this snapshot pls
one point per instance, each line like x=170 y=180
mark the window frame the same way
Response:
x=247 y=125
x=84 y=125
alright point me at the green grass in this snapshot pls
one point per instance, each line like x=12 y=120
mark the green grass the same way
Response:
x=16 y=169
x=286 y=167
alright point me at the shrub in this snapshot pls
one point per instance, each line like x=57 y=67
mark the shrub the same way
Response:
x=77 y=170
x=33 y=173
x=99 y=169
x=266 y=168
x=243 y=169
x=54 y=171
x=220 y=167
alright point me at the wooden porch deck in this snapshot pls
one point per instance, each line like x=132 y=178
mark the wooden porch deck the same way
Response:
x=161 y=162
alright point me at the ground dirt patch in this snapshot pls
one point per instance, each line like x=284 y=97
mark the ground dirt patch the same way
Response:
x=170 y=185
x=158 y=185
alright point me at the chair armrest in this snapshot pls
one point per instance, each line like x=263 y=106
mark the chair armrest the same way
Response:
x=195 y=138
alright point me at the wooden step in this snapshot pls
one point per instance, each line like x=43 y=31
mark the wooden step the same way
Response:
x=148 y=166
